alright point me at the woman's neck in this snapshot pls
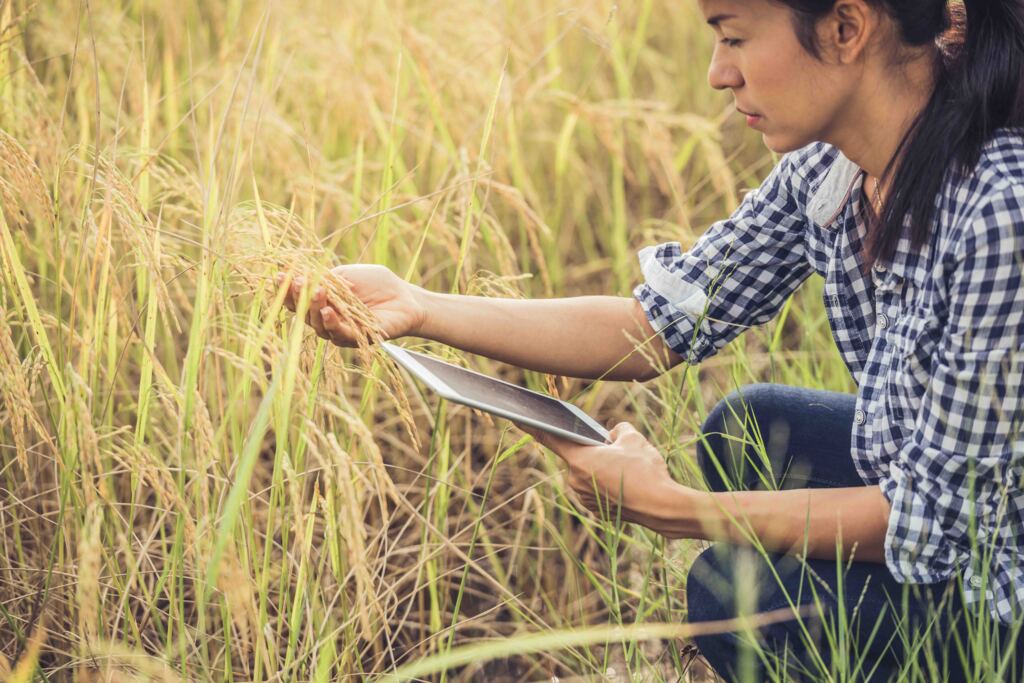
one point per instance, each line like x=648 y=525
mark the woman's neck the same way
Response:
x=882 y=110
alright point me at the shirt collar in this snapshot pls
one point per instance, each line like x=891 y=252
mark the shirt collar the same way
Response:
x=834 y=192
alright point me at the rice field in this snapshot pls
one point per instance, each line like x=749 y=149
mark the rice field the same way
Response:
x=195 y=486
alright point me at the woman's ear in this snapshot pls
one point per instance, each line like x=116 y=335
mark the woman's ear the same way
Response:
x=846 y=32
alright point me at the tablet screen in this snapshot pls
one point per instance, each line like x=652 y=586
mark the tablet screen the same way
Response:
x=508 y=397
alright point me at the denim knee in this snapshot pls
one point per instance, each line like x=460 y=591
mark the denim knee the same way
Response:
x=712 y=590
x=710 y=596
x=753 y=399
x=704 y=602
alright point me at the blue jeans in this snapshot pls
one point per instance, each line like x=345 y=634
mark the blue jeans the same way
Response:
x=865 y=626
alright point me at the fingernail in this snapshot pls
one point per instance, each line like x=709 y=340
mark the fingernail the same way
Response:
x=325 y=311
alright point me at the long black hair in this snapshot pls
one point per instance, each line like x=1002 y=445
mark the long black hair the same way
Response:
x=979 y=89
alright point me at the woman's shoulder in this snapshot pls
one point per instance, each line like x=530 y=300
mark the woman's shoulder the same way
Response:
x=986 y=203
x=1001 y=164
x=998 y=171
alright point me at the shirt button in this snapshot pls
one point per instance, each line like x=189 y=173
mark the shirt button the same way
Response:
x=858 y=417
x=977 y=581
x=835 y=300
x=880 y=267
x=883 y=322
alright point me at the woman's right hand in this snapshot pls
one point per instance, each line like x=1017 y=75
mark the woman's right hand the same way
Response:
x=397 y=305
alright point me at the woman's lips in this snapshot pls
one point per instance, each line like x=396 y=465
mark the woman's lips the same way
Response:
x=751 y=118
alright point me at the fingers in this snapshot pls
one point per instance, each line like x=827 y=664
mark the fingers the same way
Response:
x=583 y=484
x=313 y=318
x=321 y=316
x=626 y=435
x=602 y=504
x=563 y=448
x=539 y=435
x=621 y=429
x=526 y=430
x=295 y=287
x=579 y=483
x=338 y=332
x=289 y=295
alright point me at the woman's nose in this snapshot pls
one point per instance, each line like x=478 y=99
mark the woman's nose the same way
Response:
x=722 y=74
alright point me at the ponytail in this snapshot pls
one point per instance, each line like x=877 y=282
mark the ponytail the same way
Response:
x=991 y=73
x=979 y=90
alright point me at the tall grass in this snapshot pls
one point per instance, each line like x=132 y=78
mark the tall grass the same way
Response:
x=198 y=488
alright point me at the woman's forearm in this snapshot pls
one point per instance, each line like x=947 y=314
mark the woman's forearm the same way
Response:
x=588 y=337
x=784 y=521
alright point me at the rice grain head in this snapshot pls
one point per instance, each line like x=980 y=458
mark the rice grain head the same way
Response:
x=87 y=587
x=23 y=193
x=16 y=397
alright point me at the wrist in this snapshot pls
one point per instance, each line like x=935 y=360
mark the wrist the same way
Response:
x=426 y=303
x=678 y=508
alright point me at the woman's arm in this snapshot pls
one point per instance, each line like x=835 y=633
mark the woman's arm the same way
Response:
x=589 y=336
x=807 y=521
x=630 y=478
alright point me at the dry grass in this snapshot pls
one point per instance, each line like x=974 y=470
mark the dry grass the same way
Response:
x=194 y=486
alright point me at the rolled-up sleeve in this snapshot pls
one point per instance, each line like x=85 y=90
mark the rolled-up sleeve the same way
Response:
x=955 y=483
x=738 y=274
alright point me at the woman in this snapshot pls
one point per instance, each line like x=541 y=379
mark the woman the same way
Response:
x=903 y=185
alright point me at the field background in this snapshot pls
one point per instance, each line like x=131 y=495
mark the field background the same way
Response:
x=195 y=487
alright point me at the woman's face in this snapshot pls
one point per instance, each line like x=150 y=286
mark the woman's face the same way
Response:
x=795 y=98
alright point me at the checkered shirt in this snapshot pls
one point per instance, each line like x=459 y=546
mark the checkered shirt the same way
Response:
x=934 y=339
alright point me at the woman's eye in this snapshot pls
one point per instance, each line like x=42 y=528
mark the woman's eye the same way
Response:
x=730 y=42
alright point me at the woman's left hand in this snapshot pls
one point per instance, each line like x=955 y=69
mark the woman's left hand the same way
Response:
x=629 y=473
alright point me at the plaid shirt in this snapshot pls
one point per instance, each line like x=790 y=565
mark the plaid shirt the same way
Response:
x=934 y=340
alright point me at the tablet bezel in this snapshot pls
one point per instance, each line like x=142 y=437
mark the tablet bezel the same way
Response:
x=407 y=359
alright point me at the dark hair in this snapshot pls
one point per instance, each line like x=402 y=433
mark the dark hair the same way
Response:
x=979 y=89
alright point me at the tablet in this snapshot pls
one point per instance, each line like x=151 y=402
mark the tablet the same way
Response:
x=501 y=398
